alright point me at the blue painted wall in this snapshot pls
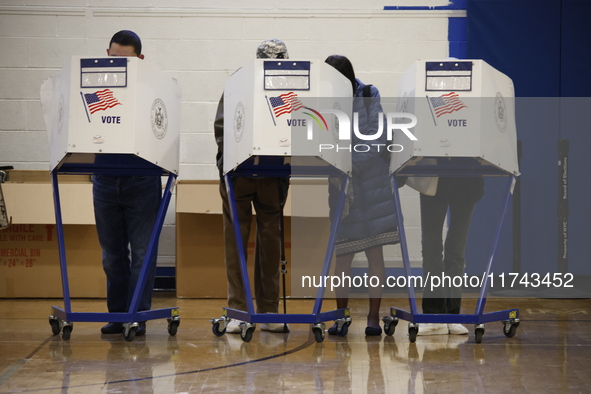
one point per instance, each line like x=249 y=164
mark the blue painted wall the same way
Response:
x=543 y=46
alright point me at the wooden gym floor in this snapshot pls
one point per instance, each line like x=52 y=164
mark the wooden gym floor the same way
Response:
x=551 y=353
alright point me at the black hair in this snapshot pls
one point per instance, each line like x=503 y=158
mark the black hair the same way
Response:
x=127 y=38
x=343 y=64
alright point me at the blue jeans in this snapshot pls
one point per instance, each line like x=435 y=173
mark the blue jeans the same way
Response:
x=125 y=210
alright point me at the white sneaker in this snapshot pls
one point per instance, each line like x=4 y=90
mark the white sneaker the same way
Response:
x=233 y=327
x=275 y=327
x=433 y=329
x=457 y=329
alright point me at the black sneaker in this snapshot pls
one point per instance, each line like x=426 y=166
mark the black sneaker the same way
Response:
x=112 y=328
x=141 y=330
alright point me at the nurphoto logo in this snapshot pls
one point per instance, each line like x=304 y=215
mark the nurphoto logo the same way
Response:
x=394 y=121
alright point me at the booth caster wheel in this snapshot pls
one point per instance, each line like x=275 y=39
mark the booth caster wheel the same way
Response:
x=390 y=323
x=478 y=333
x=173 y=325
x=66 y=330
x=130 y=334
x=217 y=331
x=318 y=330
x=55 y=325
x=342 y=327
x=129 y=330
x=510 y=327
x=246 y=331
x=218 y=326
x=413 y=330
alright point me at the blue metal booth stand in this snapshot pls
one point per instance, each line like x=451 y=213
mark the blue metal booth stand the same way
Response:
x=61 y=319
x=453 y=167
x=275 y=167
x=466 y=129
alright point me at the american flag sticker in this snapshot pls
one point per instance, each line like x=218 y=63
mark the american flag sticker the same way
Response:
x=446 y=104
x=285 y=104
x=98 y=101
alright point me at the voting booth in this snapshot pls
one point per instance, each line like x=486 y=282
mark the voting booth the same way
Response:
x=465 y=127
x=272 y=106
x=116 y=116
x=277 y=114
x=123 y=107
x=465 y=114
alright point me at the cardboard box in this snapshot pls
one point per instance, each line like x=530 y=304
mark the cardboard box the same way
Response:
x=30 y=265
x=29 y=259
x=200 y=266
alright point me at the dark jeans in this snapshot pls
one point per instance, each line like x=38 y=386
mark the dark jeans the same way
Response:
x=125 y=210
x=460 y=196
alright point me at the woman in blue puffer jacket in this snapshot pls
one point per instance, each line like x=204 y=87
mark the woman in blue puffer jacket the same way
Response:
x=369 y=220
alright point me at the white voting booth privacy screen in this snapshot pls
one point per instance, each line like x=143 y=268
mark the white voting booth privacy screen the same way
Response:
x=99 y=107
x=273 y=109
x=465 y=109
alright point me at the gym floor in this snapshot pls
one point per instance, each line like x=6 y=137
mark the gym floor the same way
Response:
x=550 y=353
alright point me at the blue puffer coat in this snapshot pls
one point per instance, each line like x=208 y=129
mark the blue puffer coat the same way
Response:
x=372 y=211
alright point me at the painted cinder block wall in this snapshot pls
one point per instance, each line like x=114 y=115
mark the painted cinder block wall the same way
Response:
x=201 y=43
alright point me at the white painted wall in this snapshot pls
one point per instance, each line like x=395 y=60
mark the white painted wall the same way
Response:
x=201 y=43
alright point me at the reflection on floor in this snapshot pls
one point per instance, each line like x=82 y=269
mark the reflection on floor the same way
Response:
x=551 y=353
